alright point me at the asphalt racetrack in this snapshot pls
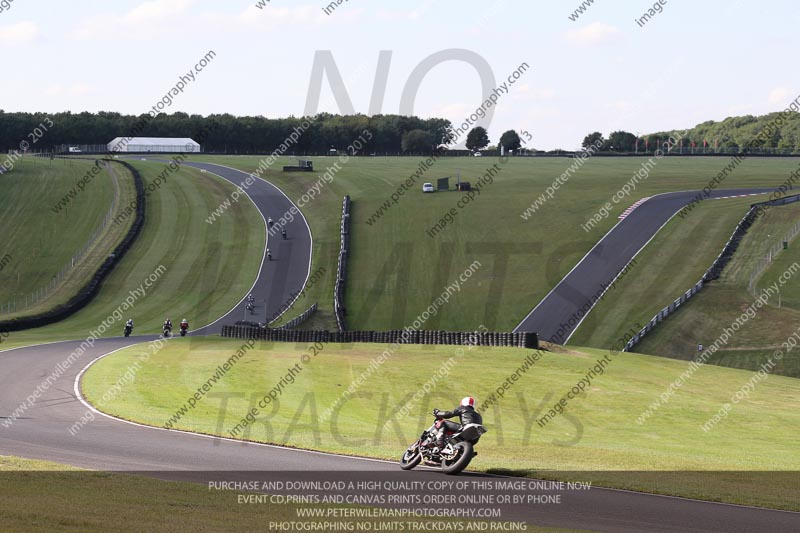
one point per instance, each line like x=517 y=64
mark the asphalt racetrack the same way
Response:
x=560 y=313
x=43 y=431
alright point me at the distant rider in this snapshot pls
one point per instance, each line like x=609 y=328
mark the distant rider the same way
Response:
x=184 y=324
x=168 y=325
x=269 y=222
x=129 y=323
x=283 y=232
x=269 y=254
x=466 y=413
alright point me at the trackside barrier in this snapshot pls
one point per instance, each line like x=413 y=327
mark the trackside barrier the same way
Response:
x=341 y=271
x=473 y=338
x=92 y=287
x=714 y=271
x=305 y=315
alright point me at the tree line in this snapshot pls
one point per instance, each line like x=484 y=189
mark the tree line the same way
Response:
x=224 y=132
x=230 y=134
x=734 y=134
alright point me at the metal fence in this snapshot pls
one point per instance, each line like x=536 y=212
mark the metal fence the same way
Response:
x=341 y=272
x=713 y=272
x=721 y=261
x=770 y=257
x=305 y=315
x=41 y=294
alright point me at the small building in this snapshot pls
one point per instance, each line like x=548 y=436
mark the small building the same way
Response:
x=171 y=145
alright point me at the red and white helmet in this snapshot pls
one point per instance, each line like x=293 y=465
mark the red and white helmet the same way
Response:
x=468 y=401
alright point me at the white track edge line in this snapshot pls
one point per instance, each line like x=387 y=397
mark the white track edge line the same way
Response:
x=305 y=221
x=370 y=459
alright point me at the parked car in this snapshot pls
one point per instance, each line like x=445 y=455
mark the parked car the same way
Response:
x=427 y=187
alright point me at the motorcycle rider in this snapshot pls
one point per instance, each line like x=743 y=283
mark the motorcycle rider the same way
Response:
x=269 y=254
x=283 y=232
x=184 y=324
x=466 y=413
x=168 y=325
x=129 y=323
x=269 y=222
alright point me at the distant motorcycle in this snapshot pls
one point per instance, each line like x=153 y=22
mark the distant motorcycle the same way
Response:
x=184 y=330
x=167 y=332
x=128 y=330
x=458 y=451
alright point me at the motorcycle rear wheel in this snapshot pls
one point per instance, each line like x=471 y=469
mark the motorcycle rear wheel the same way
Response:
x=463 y=456
x=411 y=458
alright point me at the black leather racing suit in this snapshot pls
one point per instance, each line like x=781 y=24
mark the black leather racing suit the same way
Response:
x=466 y=414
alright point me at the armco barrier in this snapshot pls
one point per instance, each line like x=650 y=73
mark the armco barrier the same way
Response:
x=474 y=338
x=341 y=272
x=92 y=287
x=716 y=268
x=305 y=315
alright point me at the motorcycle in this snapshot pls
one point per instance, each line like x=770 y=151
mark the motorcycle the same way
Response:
x=128 y=330
x=458 y=451
x=184 y=330
x=167 y=332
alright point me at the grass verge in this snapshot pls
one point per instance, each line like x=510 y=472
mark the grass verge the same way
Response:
x=40 y=496
x=704 y=319
x=40 y=242
x=597 y=432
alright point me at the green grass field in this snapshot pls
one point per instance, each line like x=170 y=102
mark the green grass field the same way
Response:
x=705 y=317
x=207 y=267
x=598 y=431
x=41 y=496
x=40 y=242
x=397 y=270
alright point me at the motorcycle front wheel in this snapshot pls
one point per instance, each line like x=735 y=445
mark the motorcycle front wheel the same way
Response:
x=461 y=459
x=411 y=458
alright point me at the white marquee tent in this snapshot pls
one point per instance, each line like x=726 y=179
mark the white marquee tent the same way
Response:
x=154 y=144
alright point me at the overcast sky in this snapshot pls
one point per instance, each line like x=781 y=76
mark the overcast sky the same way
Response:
x=695 y=61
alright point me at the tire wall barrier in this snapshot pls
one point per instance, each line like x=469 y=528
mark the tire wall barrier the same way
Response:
x=714 y=271
x=86 y=293
x=305 y=315
x=341 y=271
x=472 y=338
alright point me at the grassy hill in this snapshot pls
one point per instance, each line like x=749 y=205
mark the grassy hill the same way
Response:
x=704 y=318
x=597 y=433
x=397 y=270
x=666 y=268
x=40 y=239
x=207 y=268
